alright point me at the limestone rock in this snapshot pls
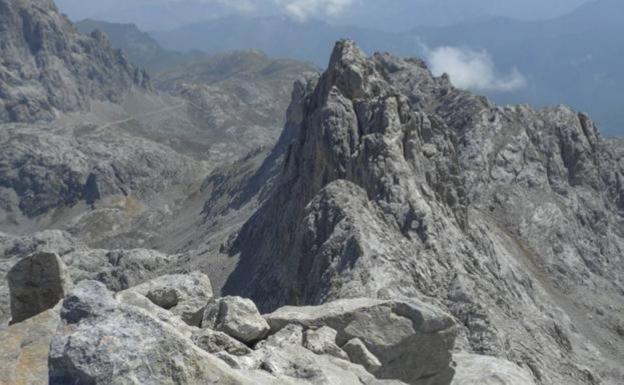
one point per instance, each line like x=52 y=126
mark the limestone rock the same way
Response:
x=398 y=185
x=359 y=354
x=237 y=317
x=413 y=341
x=474 y=369
x=214 y=341
x=128 y=344
x=283 y=355
x=37 y=283
x=24 y=349
x=183 y=295
x=88 y=299
x=323 y=341
x=49 y=67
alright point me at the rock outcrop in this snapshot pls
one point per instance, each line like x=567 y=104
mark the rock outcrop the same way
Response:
x=472 y=369
x=48 y=67
x=183 y=295
x=24 y=349
x=237 y=317
x=37 y=283
x=399 y=185
x=411 y=340
x=36 y=271
x=107 y=338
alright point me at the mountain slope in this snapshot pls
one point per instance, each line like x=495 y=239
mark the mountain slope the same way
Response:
x=398 y=185
x=140 y=48
x=47 y=67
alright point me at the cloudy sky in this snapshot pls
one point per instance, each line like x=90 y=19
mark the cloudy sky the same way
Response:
x=379 y=14
x=468 y=67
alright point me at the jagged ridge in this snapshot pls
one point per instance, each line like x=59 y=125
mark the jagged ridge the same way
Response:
x=399 y=185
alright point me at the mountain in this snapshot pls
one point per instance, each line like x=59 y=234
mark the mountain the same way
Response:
x=398 y=185
x=275 y=35
x=48 y=67
x=139 y=47
x=571 y=59
x=122 y=169
x=398 y=231
x=406 y=14
x=402 y=15
x=574 y=59
x=163 y=14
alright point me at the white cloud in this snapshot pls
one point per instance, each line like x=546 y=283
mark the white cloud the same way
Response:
x=474 y=70
x=302 y=10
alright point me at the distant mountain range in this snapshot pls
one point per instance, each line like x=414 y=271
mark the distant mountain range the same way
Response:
x=401 y=16
x=573 y=59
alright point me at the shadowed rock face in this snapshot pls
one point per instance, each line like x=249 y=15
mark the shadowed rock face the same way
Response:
x=47 y=67
x=399 y=185
x=37 y=283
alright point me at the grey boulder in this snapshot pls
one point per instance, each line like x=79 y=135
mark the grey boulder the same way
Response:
x=323 y=341
x=37 y=283
x=214 y=341
x=359 y=354
x=412 y=340
x=183 y=295
x=237 y=317
x=127 y=344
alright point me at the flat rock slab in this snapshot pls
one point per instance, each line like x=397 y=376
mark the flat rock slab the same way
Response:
x=412 y=340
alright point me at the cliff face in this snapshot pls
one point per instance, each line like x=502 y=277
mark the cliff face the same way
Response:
x=398 y=185
x=47 y=66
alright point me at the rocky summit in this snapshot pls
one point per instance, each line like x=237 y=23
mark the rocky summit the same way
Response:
x=400 y=186
x=398 y=231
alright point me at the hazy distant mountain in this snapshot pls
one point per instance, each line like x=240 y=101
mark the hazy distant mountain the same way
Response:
x=401 y=16
x=158 y=14
x=139 y=46
x=278 y=36
x=405 y=14
x=575 y=59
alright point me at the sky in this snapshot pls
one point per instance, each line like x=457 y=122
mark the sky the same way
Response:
x=377 y=14
x=469 y=68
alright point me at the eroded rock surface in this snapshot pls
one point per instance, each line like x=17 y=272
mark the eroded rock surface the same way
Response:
x=237 y=317
x=473 y=369
x=47 y=66
x=399 y=185
x=411 y=340
x=107 y=338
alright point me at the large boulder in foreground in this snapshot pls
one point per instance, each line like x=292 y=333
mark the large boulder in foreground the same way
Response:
x=475 y=369
x=37 y=283
x=412 y=340
x=114 y=342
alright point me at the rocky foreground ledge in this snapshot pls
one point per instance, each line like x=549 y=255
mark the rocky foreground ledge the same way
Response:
x=172 y=330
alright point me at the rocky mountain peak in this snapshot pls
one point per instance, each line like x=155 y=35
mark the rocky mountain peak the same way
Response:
x=399 y=185
x=47 y=66
x=351 y=72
